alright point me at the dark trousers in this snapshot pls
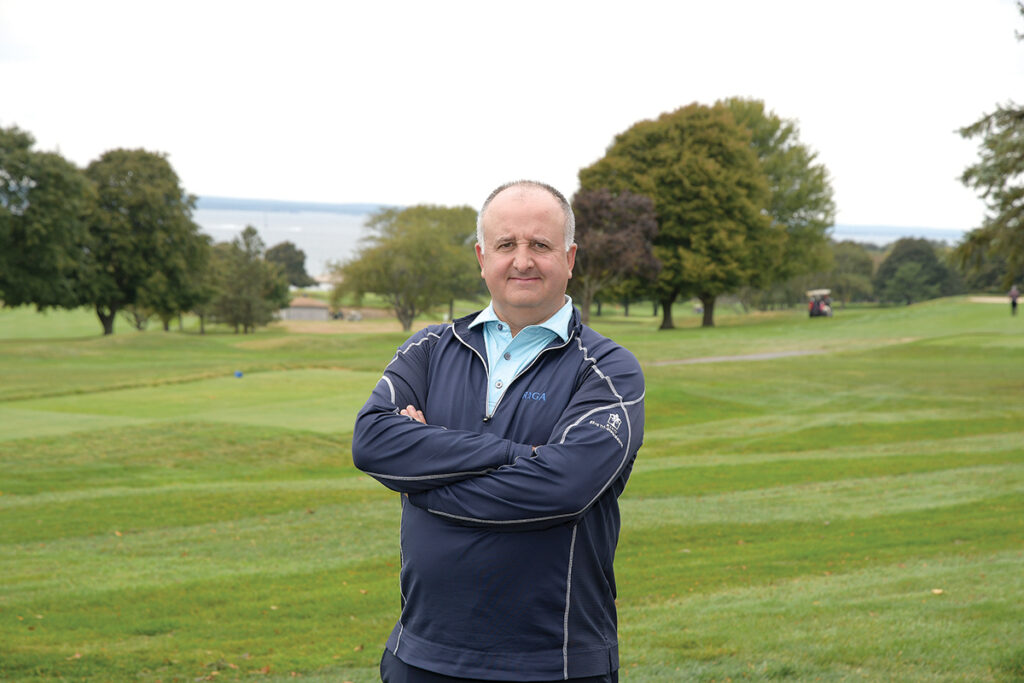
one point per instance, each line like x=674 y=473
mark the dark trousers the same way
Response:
x=394 y=670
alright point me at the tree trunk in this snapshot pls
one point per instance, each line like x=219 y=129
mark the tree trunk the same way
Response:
x=167 y=324
x=707 y=301
x=598 y=308
x=625 y=307
x=655 y=307
x=181 y=323
x=106 y=319
x=666 y=314
x=202 y=323
x=451 y=309
x=585 y=301
x=405 y=318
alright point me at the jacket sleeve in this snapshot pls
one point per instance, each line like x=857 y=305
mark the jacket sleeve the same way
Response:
x=591 y=448
x=408 y=456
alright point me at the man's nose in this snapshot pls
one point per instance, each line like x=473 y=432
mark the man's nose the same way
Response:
x=523 y=259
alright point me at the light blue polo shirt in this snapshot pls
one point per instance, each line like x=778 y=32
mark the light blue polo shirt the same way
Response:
x=507 y=356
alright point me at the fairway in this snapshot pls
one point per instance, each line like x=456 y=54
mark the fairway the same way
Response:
x=816 y=500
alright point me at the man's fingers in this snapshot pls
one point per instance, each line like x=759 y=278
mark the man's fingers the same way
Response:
x=411 y=411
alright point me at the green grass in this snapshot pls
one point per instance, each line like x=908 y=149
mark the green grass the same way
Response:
x=855 y=514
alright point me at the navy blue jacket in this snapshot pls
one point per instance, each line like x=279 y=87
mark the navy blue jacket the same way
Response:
x=507 y=551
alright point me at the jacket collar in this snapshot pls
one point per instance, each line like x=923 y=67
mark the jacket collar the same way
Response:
x=474 y=336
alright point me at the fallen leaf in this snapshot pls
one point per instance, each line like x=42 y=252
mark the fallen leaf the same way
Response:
x=77 y=655
x=937 y=591
x=117 y=533
x=357 y=648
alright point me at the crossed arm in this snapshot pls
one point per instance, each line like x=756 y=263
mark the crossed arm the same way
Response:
x=484 y=480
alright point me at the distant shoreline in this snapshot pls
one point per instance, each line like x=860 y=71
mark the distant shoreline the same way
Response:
x=245 y=204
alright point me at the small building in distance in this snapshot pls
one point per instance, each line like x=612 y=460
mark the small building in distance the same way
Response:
x=306 y=308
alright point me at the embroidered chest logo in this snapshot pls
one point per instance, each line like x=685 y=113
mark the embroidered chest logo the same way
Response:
x=611 y=426
x=535 y=396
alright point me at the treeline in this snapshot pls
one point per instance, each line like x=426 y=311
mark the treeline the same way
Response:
x=704 y=201
x=701 y=202
x=118 y=237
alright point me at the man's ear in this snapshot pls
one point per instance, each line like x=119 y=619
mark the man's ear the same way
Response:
x=480 y=258
x=570 y=257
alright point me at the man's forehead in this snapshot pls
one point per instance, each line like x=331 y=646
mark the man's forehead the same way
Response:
x=518 y=206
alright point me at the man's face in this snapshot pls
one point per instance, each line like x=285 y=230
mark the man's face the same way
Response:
x=524 y=260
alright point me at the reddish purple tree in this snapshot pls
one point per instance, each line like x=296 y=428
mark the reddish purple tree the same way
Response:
x=614 y=234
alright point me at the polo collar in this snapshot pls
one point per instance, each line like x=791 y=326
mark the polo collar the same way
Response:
x=557 y=323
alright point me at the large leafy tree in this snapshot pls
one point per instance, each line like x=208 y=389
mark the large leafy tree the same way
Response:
x=998 y=176
x=417 y=258
x=45 y=202
x=180 y=285
x=292 y=262
x=850 y=277
x=614 y=233
x=251 y=289
x=710 y=195
x=140 y=235
x=801 y=200
x=913 y=271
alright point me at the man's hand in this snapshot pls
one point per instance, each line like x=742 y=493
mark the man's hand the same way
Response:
x=411 y=411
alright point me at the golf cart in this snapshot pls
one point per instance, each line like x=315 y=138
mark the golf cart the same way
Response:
x=819 y=304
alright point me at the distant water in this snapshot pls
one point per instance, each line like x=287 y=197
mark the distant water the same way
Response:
x=884 y=234
x=324 y=236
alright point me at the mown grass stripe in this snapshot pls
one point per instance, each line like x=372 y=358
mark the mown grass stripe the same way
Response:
x=663 y=453
x=329 y=535
x=824 y=501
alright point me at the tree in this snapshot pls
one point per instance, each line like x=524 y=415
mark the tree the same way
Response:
x=417 y=258
x=141 y=234
x=614 y=234
x=850 y=278
x=251 y=289
x=998 y=177
x=801 y=193
x=710 y=195
x=45 y=202
x=292 y=261
x=988 y=272
x=912 y=271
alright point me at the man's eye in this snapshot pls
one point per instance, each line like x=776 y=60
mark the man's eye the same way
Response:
x=505 y=246
x=540 y=246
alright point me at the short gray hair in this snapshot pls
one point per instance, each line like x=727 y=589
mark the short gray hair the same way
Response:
x=570 y=218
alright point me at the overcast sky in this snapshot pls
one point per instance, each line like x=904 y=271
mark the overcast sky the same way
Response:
x=405 y=102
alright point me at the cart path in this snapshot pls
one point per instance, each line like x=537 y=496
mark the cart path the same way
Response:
x=730 y=359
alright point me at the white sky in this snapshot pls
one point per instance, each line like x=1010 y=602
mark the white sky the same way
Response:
x=407 y=101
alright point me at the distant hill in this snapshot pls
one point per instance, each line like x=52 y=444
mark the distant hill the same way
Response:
x=241 y=204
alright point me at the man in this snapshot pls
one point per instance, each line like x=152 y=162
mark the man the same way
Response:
x=510 y=434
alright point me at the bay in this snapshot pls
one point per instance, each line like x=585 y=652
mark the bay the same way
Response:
x=324 y=236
